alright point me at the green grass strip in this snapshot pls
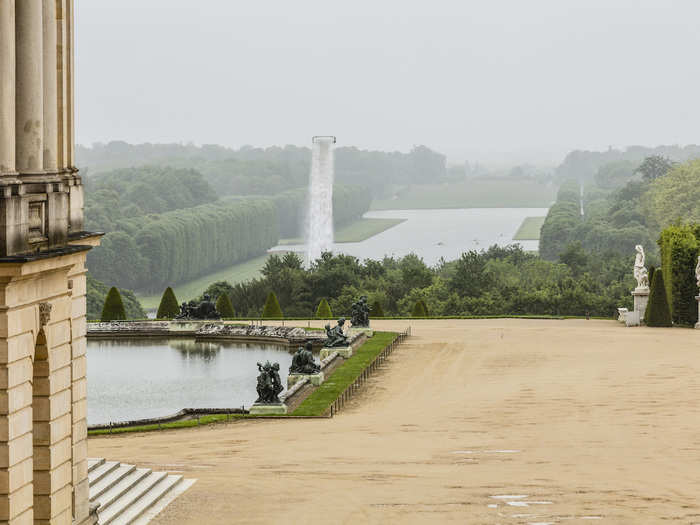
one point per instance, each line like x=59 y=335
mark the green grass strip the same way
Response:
x=529 y=229
x=343 y=376
x=203 y=420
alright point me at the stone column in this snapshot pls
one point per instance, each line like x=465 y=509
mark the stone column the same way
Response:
x=7 y=86
x=50 y=82
x=69 y=62
x=30 y=90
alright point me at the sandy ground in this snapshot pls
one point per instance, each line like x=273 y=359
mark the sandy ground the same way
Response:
x=588 y=421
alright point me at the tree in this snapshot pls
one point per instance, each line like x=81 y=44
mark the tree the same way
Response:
x=169 y=307
x=655 y=167
x=419 y=310
x=425 y=308
x=224 y=306
x=376 y=310
x=324 y=310
x=113 y=309
x=574 y=257
x=659 y=311
x=272 y=309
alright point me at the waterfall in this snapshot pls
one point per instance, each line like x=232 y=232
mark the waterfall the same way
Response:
x=319 y=221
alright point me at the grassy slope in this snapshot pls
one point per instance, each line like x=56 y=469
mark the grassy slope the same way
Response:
x=530 y=229
x=477 y=193
x=233 y=274
x=358 y=231
x=319 y=401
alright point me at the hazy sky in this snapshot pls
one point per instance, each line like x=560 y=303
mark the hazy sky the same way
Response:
x=472 y=78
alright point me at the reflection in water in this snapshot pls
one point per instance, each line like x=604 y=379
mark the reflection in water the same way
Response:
x=140 y=378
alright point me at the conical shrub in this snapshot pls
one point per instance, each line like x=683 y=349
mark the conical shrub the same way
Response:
x=224 y=306
x=651 y=280
x=169 y=307
x=659 y=313
x=272 y=309
x=113 y=309
x=419 y=310
x=376 y=310
x=324 y=310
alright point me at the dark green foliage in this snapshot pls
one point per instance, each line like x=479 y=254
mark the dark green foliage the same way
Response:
x=424 y=307
x=419 y=310
x=224 y=306
x=324 y=310
x=679 y=251
x=113 y=309
x=169 y=307
x=563 y=218
x=272 y=309
x=376 y=310
x=654 y=167
x=97 y=293
x=652 y=270
x=658 y=312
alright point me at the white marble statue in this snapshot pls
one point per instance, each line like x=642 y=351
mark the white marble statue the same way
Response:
x=640 y=271
x=697 y=271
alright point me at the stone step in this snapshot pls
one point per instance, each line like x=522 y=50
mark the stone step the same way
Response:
x=148 y=500
x=93 y=463
x=100 y=472
x=129 y=498
x=117 y=491
x=110 y=480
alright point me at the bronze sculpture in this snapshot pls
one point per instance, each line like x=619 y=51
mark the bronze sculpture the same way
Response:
x=336 y=335
x=269 y=384
x=360 y=312
x=204 y=310
x=303 y=361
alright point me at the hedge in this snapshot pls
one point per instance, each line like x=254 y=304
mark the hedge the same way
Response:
x=324 y=310
x=113 y=309
x=169 y=307
x=658 y=312
x=679 y=251
x=272 y=309
x=224 y=306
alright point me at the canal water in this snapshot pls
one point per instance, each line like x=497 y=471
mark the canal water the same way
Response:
x=135 y=379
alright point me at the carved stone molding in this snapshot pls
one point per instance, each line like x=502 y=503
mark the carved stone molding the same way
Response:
x=44 y=313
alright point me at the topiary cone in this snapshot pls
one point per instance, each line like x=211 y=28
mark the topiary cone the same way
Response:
x=169 y=307
x=272 y=309
x=224 y=306
x=377 y=310
x=657 y=308
x=113 y=309
x=324 y=310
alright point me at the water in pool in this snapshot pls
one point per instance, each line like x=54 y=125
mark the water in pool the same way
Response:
x=135 y=379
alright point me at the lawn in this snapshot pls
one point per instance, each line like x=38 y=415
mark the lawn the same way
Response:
x=186 y=291
x=343 y=376
x=530 y=229
x=358 y=231
x=503 y=192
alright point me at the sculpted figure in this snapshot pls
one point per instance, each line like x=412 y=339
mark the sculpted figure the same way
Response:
x=697 y=271
x=640 y=271
x=269 y=383
x=336 y=335
x=303 y=361
x=204 y=310
x=360 y=312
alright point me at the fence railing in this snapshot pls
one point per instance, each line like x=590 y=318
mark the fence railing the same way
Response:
x=346 y=394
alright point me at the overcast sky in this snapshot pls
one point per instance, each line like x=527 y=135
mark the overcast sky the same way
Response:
x=476 y=79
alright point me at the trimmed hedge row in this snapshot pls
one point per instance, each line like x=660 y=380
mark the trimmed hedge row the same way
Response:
x=679 y=252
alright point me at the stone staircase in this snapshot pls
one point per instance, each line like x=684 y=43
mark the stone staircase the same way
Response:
x=131 y=495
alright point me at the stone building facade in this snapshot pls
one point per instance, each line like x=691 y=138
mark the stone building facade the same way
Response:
x=43 y=388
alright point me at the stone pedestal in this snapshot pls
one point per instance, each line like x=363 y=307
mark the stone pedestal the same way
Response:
x=622 y=314
x=356 y=330
x=343 y=351
x=697 y=325
x=265 y=409
x=641 y=298
x=314 y=379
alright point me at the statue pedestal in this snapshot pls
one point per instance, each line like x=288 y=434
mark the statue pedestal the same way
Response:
x=357 y=330
x=343 y=351
x=697 y=325
x=641 y=299
x=314 y=379
x=268 y=409
x=622 y=314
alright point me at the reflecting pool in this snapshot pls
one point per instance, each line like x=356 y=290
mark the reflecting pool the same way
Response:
x=141 y=378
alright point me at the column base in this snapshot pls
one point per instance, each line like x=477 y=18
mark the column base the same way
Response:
x=343 y=351
x=272 y=409
x=314 y=379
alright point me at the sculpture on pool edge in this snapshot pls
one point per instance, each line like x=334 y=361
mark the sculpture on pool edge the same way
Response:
x=360 y=312
x=269 y=384
x=303 y=361
x=336 y=335
x=204 y=310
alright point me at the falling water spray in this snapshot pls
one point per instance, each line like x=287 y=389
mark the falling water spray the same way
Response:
x=319 y=221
